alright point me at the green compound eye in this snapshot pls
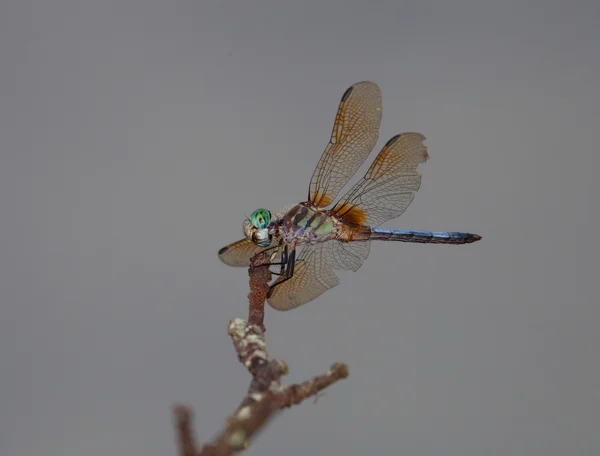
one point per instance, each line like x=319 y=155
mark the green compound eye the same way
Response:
x=260 y=218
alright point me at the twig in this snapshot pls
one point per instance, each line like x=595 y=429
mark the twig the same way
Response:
x=265 y=397
x=294 y=394
x=183 y=423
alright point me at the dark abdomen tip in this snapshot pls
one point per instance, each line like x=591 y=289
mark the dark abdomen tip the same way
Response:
x=473 y=237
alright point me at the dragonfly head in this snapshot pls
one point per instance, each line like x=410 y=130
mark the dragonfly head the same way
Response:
x=256 y=228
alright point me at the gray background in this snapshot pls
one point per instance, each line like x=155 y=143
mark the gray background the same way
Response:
x=135 y=135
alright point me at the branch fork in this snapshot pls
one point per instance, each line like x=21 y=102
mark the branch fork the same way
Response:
x=266 y=397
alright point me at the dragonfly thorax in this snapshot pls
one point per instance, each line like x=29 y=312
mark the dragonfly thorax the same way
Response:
x=304 y=224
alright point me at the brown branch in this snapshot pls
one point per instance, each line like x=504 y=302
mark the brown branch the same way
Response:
x=183 y=423
x=266 y=396
x=260 y=276
x=294 y=394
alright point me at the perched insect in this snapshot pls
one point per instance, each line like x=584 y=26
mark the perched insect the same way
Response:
x=339 y=238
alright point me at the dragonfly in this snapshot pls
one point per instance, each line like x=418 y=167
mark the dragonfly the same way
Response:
x=308 y=241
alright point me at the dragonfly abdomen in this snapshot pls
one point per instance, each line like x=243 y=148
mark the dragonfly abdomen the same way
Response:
x=423 y=237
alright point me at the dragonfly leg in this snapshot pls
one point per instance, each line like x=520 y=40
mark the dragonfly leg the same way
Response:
x=288 y=273
x=285 y=272
x=273 y=247
x=282 y=263
x=284 y=260
x=291 y=264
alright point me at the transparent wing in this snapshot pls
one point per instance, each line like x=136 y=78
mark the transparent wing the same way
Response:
x=281 y=212
x=312 y=277
x=354 y=135
x=348 y=255
x=239 y=253
x=389 y=185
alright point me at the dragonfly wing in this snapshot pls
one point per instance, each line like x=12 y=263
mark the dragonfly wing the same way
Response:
x=239 y=253
x=312 y=277
x=348 y=255
x=354 y=135
x=389 y=185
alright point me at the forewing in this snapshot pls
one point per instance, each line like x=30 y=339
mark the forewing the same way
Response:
x=312 y=277
x=354 y=135
x=389 y=185
x=239 y=253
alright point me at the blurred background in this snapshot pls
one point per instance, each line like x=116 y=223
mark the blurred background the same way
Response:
x=136 y=135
